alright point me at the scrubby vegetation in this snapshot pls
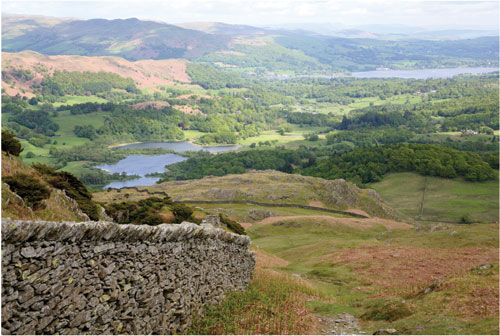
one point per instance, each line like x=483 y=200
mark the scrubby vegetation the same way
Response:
x=141 y=212
x=29 y=188
x=271 y=305
x=10 y=144
x=151 y=211
x=232 y=225
x=181 y=212
x=388 y=309
x=73 y=188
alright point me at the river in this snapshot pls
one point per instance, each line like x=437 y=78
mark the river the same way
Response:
x=142 y=165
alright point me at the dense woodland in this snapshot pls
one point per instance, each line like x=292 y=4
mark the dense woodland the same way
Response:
x=363 y=165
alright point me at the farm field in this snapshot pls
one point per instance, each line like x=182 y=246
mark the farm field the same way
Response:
x=68 y=121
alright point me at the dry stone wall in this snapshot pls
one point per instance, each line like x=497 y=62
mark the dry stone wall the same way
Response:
x=106 y=278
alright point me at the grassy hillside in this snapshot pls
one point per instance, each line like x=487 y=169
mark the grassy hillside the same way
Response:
x=58 y=207
x=21 y=71
x=447 y=200
x=380 y=274
x=270 y=187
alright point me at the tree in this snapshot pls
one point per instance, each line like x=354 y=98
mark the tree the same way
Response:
x=10 y=144
x=33 y=101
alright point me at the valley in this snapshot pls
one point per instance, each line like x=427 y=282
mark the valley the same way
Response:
x=364 y=170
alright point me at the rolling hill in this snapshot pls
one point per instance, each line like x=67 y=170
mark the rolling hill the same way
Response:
x=239 y=47
x=143 y=72
x=131 y=39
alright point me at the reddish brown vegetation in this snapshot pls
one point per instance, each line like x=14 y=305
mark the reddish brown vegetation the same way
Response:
x=144 y=72
x=408 y=268
x=153 y=104
x=358 y=223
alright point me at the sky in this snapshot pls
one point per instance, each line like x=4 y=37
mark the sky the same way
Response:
x=427 y=14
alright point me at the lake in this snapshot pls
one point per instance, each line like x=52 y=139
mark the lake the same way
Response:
x=422 y=73
x=142 y=165
x=415 y=74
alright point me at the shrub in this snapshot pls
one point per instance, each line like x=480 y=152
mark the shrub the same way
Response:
x=232 y=225
x=73 y=187
x=142 y=212
x=388 y=310
x=29 y=188
x=181 y=212
x=466 y=219
x=10 y=144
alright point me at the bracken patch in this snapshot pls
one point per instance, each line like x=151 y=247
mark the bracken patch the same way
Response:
x=401 y=270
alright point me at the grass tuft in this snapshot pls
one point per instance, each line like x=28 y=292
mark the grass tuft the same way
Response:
x=388 y=309
x=272 y=304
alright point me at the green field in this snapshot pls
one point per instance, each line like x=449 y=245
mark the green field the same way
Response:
x=337 y=109
x=71 y=100
x=297 y=134
x=445 y=199
x=42 y=153
x=193 y=134
x=68 y=121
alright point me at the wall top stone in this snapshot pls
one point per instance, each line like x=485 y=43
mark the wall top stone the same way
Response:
x=16 y=231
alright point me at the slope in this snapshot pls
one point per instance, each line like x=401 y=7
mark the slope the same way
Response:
x=20 y=71
x=268 y=186
x=58 y=207
x=132 y=39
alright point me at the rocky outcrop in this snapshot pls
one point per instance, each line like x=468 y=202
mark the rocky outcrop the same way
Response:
x=106 y=278
x=257 y=214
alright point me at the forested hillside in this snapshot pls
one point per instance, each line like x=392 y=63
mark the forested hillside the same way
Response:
x=246 y=49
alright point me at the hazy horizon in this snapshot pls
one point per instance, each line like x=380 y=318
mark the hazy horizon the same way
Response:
x=428 y=15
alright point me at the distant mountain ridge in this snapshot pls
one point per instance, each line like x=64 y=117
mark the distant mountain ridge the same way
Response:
x=131 y=39
x=243 y=48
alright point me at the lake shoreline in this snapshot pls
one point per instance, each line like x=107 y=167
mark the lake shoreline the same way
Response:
x=142 y=165
x=191 y=141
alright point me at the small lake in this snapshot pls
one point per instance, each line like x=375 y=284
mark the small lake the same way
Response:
x=408 y=74
x=142 y=165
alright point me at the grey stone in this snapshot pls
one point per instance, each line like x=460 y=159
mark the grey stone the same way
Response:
x=485 y=266
x=101 y=277
x=389 y=331
x=28 y=252
x=27 y=293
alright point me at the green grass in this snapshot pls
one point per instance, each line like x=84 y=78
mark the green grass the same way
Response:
x=445 y=200
x=325 y=108
x=75 y=167
x=297 y=134
x=270 y=136
x=42 y=154
x=72 y=100
x=271 y=305
x=193 y=134
x=307 y=245
x=68 y=121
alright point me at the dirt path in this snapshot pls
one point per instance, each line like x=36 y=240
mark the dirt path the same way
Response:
x=360 y=223
x=338 y=324
x=422 y=202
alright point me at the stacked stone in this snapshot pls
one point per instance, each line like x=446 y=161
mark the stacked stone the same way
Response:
x=106 y=278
